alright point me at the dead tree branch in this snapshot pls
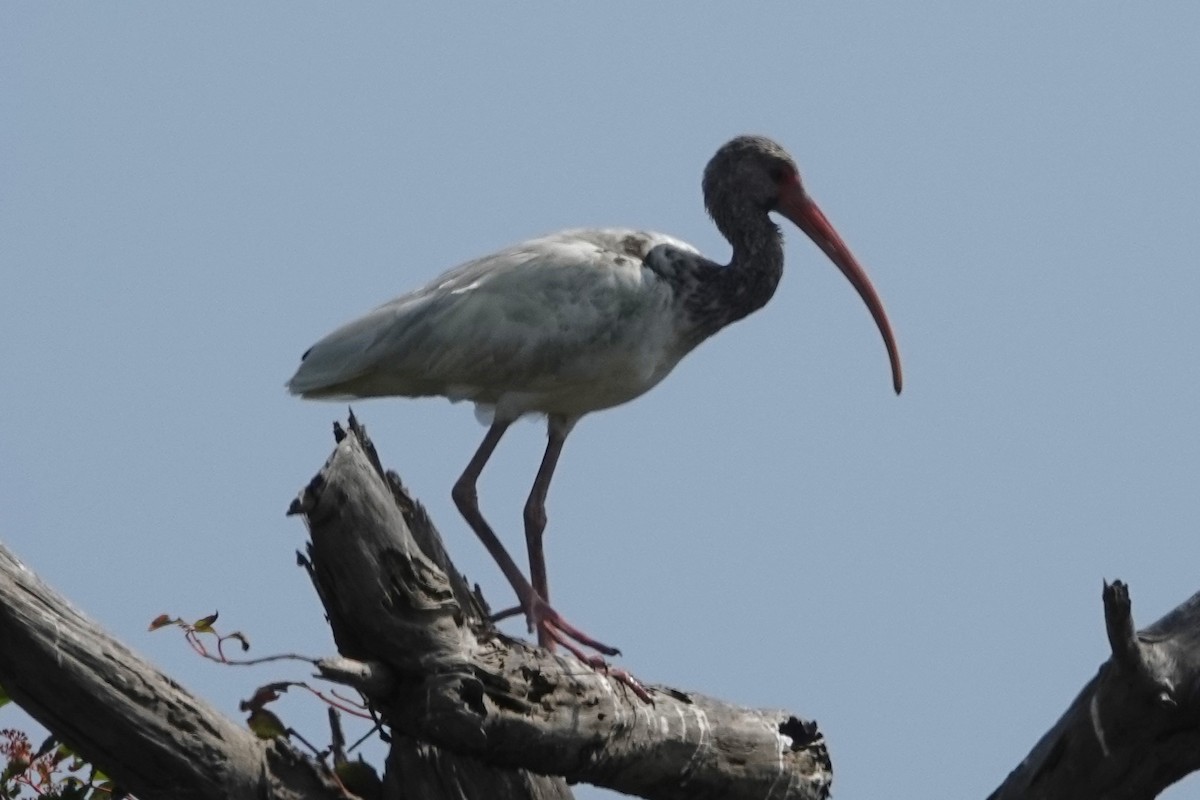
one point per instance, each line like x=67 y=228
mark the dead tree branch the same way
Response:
x=393 y=598
x=1135 y=728
x=116 y=710
x=471 y=713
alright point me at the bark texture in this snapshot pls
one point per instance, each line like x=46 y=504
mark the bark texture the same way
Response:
x=1135 y=728
x=145 y=731
x=471 y=713
x=394 y=599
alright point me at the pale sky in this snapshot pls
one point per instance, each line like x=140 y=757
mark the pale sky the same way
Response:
x=191 y=195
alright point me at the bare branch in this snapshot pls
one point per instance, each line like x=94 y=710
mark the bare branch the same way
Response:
x=142 y=728
x=466 y=688
x=1135 y=727
x=472 y=713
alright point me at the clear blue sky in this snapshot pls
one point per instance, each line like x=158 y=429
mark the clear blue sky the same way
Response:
x=190 y=195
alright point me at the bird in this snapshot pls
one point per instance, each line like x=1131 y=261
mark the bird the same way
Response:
x=576 y=322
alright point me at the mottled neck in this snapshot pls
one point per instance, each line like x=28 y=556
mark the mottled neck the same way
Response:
x=722 y=295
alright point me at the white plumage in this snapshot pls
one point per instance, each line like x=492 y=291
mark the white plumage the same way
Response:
x=563 y=324
x=573 y=323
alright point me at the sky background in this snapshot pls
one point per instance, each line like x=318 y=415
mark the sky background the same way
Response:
x=191 y=195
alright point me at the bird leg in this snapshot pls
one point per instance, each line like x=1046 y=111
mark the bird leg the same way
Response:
x=535 y=525
x=535 y=510
x=539 y=613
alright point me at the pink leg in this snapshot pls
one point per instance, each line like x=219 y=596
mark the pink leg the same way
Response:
x=535 y=512
x=541 y=616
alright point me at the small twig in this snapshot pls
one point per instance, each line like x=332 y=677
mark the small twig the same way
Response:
x=376 y=728
x=334 y=702
x=337 y=739
x=1118 y=622
x=371 y=678
x=250 y=662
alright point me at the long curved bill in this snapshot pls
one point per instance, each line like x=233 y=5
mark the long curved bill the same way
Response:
x=800 y=209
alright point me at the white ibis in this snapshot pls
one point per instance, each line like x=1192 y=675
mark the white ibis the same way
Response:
x=576 y=322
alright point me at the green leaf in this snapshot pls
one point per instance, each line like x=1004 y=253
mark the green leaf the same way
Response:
x=204 y=625
x=265 y=724
x=360 y=778
x=14 y=768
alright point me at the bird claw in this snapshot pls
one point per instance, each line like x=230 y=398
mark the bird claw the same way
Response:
x=621 y=676
x=558 y=631
x=624 y=678
x=552 y=628
x=598 y=664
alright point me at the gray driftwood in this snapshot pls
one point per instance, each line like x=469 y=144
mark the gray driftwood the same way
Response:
x=473 y=714
x=141 y=728
x=1135 y=728
x=476 y=697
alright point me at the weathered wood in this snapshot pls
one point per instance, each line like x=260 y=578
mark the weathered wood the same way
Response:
x=1135 y=728
x=472 y=713
x=414 y=768
x=468 y=689
x=420 y=770
x=116 y=710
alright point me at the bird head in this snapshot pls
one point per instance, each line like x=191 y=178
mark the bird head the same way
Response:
x=754 y=173
x=747 y=170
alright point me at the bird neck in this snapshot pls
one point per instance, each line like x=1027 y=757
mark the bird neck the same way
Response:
x=727 y=294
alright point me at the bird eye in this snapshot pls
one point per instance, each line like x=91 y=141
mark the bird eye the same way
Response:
x=783 y=174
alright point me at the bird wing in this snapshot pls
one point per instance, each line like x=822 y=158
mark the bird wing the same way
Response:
x=543 y=312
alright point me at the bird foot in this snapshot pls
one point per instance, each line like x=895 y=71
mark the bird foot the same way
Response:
x=621 y=676
x=553 y=629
